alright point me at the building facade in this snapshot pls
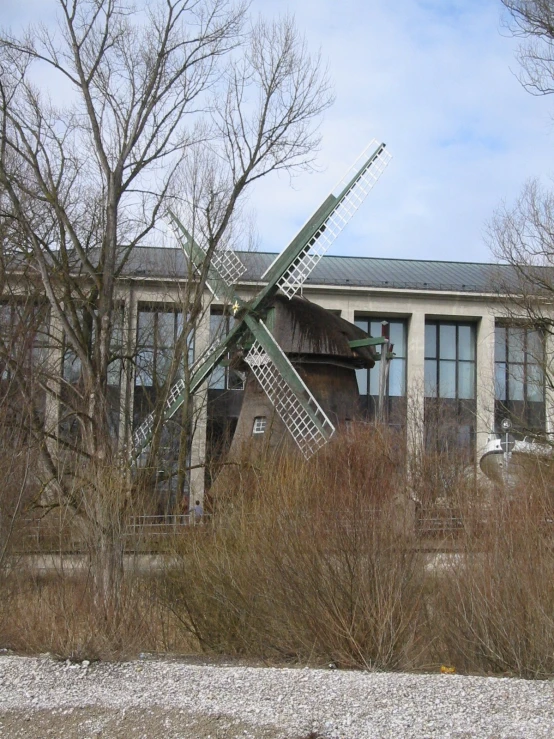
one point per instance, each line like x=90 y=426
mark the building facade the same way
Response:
x=459 y=364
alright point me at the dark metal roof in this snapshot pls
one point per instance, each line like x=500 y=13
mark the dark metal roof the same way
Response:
x=409 y=274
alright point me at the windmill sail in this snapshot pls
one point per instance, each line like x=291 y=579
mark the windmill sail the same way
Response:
x=198 y=371
x=298 y=409
x=225 y=268
x=316 y=238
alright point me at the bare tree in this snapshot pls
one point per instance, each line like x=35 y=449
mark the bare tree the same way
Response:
x=533 y=21
x=184 y=102
x=522 y=237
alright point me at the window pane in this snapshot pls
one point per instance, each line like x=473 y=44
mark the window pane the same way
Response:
x=114 y=373
x=146 y=328
x=374 y=375
x=217 y=321
x=375 y=328
x=535 y=383
x=166 y=329
x=117 y=333
x=500 y=381
x=163 y=363
x=516 y=338
x=190 y=349
x=397 y=375
x=361 y=323
x=235 y=381
x=430 y=378
x=71 y=367
x=515 y=382
x=466 y=343
x=499 y=344
x=431 y=341
x=447 y=343
x=535 y=352
x=466 y=380
x=447 y=379
x=361 y=377
x=180 y=323
x=145 y=368
x=217 y=379
x=5 y=318
x=398 y=338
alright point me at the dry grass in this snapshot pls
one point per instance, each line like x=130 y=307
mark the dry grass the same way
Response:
x=317 y=563
x=494 y=605
x=57 y=614
x=306 y=561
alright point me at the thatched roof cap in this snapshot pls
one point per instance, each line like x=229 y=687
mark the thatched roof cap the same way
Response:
x=302 y=327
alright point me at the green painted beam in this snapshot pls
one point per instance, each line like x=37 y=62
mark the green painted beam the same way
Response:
x=307 y=232
x=226 y=345
x=370 y=341
x=296 y=246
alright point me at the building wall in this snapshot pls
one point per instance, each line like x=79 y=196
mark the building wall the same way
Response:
x=416 y=307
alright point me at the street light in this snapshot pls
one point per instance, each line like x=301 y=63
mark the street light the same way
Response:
x=507 y=444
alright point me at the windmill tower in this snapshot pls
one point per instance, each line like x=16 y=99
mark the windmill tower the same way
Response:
x=260 y=324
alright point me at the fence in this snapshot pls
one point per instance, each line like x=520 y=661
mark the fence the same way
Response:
x=141 y=534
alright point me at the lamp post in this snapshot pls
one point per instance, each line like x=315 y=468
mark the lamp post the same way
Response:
x=507 y=443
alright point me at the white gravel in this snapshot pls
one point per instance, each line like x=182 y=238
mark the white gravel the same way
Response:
x=276 y=702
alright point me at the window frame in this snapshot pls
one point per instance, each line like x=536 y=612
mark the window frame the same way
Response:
x=440 y=362
x=156 y=375
x=221 y=378
x=259 y=426
x=505 y=404
x=364 y=322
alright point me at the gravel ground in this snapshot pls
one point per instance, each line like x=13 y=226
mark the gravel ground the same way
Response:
x=168 y=699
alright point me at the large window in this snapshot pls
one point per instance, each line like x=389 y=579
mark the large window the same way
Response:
x=450 y=360
x=450 y=407
x=158 y=328
x=519 y=377
x=368 y=380
x=73 y=404
x=71 y=369
x=23 y=337
x=157 y=332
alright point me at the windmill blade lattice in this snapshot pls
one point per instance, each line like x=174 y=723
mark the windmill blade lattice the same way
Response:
x=225 y=265
x=143 y=434
x=228 y=266
x=300 y=412
x=353 y=189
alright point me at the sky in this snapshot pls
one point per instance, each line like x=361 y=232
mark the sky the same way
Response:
x=436 y=80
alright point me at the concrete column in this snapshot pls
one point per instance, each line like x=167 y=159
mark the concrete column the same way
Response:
x=200 y=420
x=484 y=421
x=549 y=377
x=54 y=371
x=347 y=313
x=415 y=385
x=127 y=390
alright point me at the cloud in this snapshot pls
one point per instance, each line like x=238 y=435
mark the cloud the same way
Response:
x=436 y=80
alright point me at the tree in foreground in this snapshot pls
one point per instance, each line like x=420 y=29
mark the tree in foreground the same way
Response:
x=179 y=103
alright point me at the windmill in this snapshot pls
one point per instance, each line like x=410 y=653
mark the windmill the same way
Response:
x=289 y=395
